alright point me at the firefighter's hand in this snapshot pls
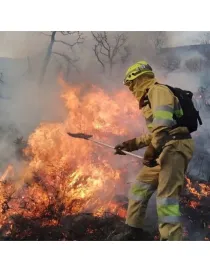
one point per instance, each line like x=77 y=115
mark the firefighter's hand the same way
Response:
x=129 y=146
x=119 y=149
x=150 y=163
x=150 y=156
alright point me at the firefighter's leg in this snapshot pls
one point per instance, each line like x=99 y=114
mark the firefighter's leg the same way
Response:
x=174 y=161
x=139 y=195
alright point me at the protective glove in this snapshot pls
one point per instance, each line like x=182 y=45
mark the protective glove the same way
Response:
x=150 y=156
x=128 y=146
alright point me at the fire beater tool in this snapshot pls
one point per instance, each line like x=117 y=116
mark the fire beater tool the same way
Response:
x=89 y=137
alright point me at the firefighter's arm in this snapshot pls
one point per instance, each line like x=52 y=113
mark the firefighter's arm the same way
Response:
x=143 y=141
x=134 y=144
x=162 y=105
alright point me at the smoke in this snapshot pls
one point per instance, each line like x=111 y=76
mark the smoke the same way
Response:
x=17 y=44
x=182 y=38
x=24 y=103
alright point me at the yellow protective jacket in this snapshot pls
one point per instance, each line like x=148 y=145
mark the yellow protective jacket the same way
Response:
x=159 y=117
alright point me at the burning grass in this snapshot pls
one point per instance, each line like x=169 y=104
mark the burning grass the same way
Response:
x=64 y=176
x=67 y=188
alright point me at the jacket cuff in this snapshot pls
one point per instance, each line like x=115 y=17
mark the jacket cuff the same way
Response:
x=130 y=145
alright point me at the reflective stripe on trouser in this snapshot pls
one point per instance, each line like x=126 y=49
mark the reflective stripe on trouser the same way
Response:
x=140 y=191
x=169 y=177
x=168 y=210
x=173 y=161
x=140 y=194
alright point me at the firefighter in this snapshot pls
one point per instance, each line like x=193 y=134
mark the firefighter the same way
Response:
x=169 y=150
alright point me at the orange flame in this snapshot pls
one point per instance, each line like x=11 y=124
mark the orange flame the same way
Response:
x=204 y=190
x=75 y=175
x=193 y=204
x=9 y=171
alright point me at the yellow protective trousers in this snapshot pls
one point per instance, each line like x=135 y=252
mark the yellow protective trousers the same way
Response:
x=168 y=179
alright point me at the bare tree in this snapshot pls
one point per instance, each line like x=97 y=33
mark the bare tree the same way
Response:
x=195 y=64
x=69 y=62
x=53 y=40
x=157 y=46
x=124 y=57
x=171 y=62
x=1 y=78
x=159 y=39
x=109 y=51
x=28 y=68
x=204 y=38
x=47 y=56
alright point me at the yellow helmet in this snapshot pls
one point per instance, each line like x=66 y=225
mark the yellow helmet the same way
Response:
x=137 y=70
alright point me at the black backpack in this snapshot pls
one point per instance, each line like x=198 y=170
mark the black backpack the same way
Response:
x=190 y=116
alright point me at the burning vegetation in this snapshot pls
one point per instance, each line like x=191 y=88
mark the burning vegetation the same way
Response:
x=71 y=189
x=63 y=177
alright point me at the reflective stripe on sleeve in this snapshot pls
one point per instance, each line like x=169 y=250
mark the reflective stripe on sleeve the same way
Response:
x=163 y=116
x=163 y=122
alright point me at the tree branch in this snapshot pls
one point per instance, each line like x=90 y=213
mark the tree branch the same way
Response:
x=68 y=44
x=126 y=55
x=49 y=35
x=68 y=59
x=105 y=39
x=100 y=38
x=80 y=39
x=97 y=56
x=69 y=32
x=1 y=78
x=120 y=41
x=47 y=56
x=160 y=39
x=103 y=47
x=204 y=38
x=107 y=55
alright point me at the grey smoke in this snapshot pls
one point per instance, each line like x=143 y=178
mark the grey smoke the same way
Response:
x=24 y=103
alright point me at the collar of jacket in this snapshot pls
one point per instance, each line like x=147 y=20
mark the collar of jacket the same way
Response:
x=142 y=87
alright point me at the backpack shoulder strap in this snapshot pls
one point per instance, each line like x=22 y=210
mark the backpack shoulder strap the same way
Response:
x=144 y=101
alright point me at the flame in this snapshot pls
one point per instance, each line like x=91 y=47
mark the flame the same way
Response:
x=9 y=171
x=65 y=175
x=193 y=204
x=192 y=189
x=202 y=191
x=205 y=190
